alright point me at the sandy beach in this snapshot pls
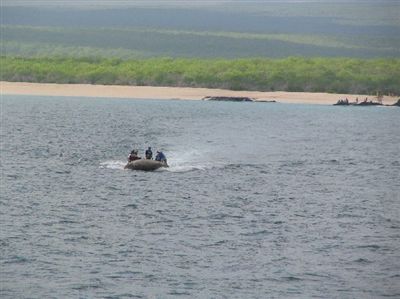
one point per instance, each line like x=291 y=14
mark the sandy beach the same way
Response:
x=168 y=93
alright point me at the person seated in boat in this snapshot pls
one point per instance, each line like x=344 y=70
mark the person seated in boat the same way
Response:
x=161 y=157
x=133 y=156
x=149 y=153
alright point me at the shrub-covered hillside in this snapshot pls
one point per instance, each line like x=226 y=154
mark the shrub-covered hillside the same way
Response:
x=336 y=75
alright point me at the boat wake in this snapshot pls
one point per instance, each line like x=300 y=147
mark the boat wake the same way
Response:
x=173 y=167
x=113 y=164
x=176 y=167
x=178 y=162
x=190 y=160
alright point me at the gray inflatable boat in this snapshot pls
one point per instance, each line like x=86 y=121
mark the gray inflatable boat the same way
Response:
x=146 y=165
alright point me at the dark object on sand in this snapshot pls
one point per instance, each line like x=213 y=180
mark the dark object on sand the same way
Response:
x=228 y=99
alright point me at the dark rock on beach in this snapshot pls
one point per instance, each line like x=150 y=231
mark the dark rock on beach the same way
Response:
x=228 y=99
x=341 y=103
x=363 y=103
x=397 y=103
x=266 y=101
x=369 y=104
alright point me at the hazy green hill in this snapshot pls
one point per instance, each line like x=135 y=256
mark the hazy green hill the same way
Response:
x=349 y=17
x=364 y=29
x=148 y=42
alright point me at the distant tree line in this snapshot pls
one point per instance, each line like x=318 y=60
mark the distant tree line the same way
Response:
x=334 y=75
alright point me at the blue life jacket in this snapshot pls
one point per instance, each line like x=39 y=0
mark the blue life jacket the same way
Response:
x=160 y=157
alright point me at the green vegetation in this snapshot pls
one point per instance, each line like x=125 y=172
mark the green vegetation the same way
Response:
x=336 y=75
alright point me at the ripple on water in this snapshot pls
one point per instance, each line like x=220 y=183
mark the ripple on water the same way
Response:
x=280 y=215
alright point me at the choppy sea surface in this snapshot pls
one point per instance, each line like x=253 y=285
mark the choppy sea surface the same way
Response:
x=260 y=200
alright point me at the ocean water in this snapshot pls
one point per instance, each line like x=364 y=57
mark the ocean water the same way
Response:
x=260 y=200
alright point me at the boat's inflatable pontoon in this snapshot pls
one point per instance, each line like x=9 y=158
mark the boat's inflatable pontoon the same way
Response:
x=146 y=165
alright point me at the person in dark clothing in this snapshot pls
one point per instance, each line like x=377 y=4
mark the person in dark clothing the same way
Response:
x=133 y=156
x=149 y=153
x=161 y=157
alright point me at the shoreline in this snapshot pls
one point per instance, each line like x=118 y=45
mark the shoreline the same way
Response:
x=174 y=93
